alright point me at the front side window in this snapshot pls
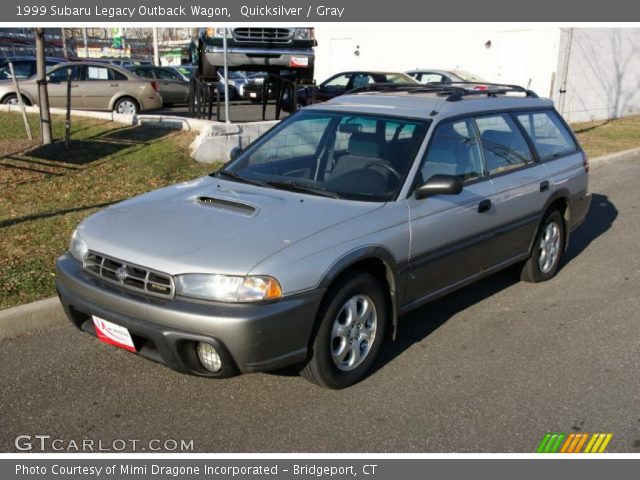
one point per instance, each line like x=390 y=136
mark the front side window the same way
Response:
x=431 y=78
x=166 y=74
x=338 y=83
x=60 y=74
x=503 y=145
x=453 y=150
x=351 y=156
x=548 y=134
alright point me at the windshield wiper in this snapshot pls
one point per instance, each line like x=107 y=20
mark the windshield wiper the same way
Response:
x=296 y=187
x=238 y=178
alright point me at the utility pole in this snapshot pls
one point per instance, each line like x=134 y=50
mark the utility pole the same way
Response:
x=43 y=95
x=65 y=52
x=156 y=52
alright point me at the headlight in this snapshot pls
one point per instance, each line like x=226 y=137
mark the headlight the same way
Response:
x=78 y=247
x=218 y=32
x=227 y=288
x=303 y=34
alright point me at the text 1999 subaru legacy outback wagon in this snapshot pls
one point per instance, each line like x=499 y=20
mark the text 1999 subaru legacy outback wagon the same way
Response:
x=307 y=247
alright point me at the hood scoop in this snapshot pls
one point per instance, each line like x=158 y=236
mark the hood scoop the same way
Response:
x=227 y=205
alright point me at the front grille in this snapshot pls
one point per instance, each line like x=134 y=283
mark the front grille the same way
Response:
x=129 y=276
x=263 y=35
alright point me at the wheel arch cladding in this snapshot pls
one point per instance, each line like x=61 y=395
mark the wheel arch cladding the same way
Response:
x=558 y=201
x=378 y=262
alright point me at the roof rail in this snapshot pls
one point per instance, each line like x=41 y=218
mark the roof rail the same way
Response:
x=455 y=90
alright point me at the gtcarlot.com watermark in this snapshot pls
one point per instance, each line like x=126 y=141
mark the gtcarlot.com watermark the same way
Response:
x=47 y=443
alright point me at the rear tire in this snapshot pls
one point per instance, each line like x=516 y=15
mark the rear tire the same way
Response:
x=352 y=324
x=547 y=250
x=126 y=105
x=12 y=99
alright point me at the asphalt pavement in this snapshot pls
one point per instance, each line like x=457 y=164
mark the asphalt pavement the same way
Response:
x=491 y=368
x=239 y=111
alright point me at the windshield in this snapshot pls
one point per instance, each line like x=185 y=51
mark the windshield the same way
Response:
x=342 y=155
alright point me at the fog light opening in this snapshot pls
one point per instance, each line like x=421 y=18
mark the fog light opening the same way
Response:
x=209 y=357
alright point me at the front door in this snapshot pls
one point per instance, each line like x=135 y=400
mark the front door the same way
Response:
x=450 y=234
x=57 y=86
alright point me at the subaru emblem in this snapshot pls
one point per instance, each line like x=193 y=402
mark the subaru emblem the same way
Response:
x=121 y=274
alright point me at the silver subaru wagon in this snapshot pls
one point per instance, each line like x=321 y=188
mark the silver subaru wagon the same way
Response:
x=311 y=243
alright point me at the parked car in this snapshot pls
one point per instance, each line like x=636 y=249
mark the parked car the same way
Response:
x=25 y=67
x=94 y=86
x=257 y=49
x=307 y=247
x=447 y=76
x=341 y=83
x=173 y=86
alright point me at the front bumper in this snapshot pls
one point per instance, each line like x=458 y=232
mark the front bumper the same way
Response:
x=256 y=58
x=255 y=337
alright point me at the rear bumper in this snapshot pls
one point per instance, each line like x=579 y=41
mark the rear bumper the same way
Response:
x=151 y=102
x=254 y=337
x=579 y=208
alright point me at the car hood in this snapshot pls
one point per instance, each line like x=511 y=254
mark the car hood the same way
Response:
x=212 y=226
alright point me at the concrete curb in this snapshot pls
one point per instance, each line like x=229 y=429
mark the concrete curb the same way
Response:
x=31 y=318
x=624 y=155
x=44 y=314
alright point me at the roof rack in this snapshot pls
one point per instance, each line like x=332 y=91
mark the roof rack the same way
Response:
x=455 y=91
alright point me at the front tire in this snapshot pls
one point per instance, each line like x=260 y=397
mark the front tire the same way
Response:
x=547 y=250
x=353 y=320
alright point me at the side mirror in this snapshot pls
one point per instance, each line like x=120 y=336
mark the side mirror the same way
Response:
x=235 y=151
x=439 y=184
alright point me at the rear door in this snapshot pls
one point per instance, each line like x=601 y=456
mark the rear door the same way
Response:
x=98 y=87
x=450 y=234
x=520 y=182
x=172 y=88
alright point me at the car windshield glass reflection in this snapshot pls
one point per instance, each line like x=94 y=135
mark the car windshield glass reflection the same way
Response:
x=339 y=155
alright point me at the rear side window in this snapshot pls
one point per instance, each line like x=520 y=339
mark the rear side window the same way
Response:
x=453 y=150
x=503 y=145
x=144 y=72
x=116 y=75
x=550 y=137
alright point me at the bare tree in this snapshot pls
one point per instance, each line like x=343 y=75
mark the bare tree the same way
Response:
x=43 y=95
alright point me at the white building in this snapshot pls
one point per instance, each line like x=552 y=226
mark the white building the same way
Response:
x=591 y=73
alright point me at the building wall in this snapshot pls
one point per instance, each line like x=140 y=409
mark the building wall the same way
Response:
x=523 y=56
x=602 y=73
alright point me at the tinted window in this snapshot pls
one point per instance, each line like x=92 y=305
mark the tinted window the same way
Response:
x=431 y=77
x=453 y=150
x=167 y=74
x=144 y=72
x=338 y=83
x=548 y=134
x=60 y=74
x=356 y=156
x=503 y=145
x=23 y=69
x=115 y=75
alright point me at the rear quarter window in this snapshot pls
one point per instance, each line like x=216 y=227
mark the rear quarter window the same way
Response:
x=548 y=134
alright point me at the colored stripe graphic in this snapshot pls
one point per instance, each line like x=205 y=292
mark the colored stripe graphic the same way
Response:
x=551 y=443
x=555 y=442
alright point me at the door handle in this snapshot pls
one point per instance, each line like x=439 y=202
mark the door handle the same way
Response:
x=114 y=84
x=74 y=85
x=484 y=206
x=544 y=186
